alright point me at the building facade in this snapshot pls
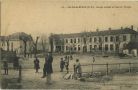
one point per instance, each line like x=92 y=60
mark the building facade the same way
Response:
x=107 y=41
x=14 y=42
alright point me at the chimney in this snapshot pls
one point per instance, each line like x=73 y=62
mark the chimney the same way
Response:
x=121 y=28
x=109 y=28
x=132 y=27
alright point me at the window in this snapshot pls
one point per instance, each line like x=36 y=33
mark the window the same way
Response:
x=90 y=47
x=71 y=48
x=124 y=37
x=84 y=39
x=74 y=40
x=116 y=47
x=117 y=38
x=66 y=47
x=106 y=39
x=78 y=40
x=111 y=47
x=95 y=47
x=78 y=47
x=90 y=39
x=66 y=40
x=100 y=47
x=71 y=41
x=111 y=39
x=100 y=39
x=106 y=47
x=95 y=39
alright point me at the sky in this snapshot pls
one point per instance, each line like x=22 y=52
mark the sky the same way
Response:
x=37 y=17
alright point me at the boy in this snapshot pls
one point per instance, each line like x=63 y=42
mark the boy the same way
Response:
x=5 y=65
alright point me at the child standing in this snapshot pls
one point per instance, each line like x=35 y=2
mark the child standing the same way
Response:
x=5 y=65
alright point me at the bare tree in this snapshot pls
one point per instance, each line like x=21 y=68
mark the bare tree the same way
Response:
x=51 y=38
x=35 y=46
x=7 y=42
x=24 y=39
x=44 y=40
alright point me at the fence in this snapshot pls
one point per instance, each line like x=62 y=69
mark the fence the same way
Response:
x=110 y=68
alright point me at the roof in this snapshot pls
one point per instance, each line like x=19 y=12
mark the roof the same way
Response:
x=98 y=33
x=16 y=36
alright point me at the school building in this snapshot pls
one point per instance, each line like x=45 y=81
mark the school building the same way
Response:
x=108 y=41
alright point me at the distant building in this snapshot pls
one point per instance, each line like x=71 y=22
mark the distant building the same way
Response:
x=14 y=42
x=108 y=41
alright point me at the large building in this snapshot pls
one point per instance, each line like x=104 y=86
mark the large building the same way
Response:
x=107 y=41
x=15 y=42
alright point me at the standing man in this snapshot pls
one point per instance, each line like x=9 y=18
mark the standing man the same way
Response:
x=49 y=69
x=44 y=70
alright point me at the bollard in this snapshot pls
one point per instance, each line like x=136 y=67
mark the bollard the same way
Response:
x=20 y=74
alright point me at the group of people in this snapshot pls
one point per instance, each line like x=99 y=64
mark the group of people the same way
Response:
x=65 y=63
x=47 y=69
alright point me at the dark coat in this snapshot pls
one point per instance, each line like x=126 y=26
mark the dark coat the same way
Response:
x=49 y=60
x=36 y=64
x=5 y=65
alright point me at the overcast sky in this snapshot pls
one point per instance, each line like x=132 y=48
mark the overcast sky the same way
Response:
x=42 y=16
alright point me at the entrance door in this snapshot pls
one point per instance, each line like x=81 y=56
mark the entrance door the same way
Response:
x=84 y=48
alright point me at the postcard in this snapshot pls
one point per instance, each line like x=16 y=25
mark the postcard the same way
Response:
x=69 y=44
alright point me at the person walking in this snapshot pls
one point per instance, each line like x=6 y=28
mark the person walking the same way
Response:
x=62 y=63
x=36 y=64
x=5 y=65
x=49 y=69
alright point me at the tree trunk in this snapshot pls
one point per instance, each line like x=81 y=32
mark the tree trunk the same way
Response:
x=7 y=45
x=25 y=48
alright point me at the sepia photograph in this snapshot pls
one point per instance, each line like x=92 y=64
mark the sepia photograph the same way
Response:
x=69 y=44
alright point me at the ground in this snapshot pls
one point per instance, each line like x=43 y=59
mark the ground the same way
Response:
x=31 y=80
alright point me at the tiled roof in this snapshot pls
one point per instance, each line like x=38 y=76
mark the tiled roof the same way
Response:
x=98 y=33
